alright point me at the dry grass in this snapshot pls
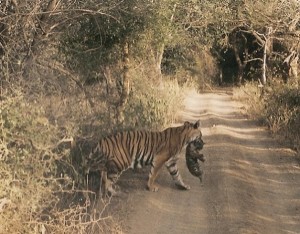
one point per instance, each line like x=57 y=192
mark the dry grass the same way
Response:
x=278 y=108
x=250 y=95
x=44 y=188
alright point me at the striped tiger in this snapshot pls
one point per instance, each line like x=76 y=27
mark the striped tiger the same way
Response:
x=193 y=156
x=133 y=149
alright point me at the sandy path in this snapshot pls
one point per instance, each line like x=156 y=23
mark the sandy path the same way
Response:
x=251 y=183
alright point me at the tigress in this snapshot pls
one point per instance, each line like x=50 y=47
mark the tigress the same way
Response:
x=138 y=148
x=192 y=156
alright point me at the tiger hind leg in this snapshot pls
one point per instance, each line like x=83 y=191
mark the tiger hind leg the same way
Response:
x=171 y=165
x=113 y=173
x=107 y=183
x=103 y=185
x=112 y=179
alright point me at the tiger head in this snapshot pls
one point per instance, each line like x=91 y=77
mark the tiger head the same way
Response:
x=193 y=150
x=198 y=143
x=193 y=131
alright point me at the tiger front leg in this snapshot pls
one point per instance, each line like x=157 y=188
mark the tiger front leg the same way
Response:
x=155 y=168
x=103 y=184
x=171 y=165
x=113 y=174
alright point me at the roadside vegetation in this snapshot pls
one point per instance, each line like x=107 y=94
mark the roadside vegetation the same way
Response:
x=278 y=108
x=75 y=71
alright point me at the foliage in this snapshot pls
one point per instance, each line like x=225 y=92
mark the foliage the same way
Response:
x=246 y=28
x=250 y=95
x=27 y=166
x=61 y=68
x=282 y=112
x=39 y=188
x=42 y=185
x=278 y=108
x=152 y=107
x=94 y=41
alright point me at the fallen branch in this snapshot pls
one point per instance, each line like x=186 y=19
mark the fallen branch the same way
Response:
x=3 y=203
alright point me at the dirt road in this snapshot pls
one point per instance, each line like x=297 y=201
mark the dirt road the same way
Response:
x=251 y=183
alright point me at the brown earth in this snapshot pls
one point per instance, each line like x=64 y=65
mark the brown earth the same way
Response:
x=251 y=183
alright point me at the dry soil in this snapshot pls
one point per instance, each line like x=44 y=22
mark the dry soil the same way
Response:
x=251 y=182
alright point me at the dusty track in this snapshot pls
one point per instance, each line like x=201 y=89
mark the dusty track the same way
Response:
x=251 y=183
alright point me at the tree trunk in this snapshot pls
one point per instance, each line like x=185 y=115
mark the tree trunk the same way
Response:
x=291 y=65
x=40 y=33
x=240 y=63
x=7 y=9
x=264 y=66
x=108 y=80
x=294 y=70
x=239 y=46
x=3 y=40
x=125 y=84
x=157 y=60
x=267 y=46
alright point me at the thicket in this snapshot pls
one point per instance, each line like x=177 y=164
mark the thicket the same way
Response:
x=283 y=113
x=278 y=108
x=42 y=187
x=85 y=69
x=63 y=78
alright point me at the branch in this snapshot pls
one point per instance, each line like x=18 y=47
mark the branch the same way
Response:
x=3 y=203
x=254 y=59
x=58 y=12
x=256 y=35
x=293 y=24
x=51 y=147
x=59 y=67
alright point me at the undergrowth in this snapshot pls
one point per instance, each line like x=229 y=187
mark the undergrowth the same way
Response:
x=36 y=193
x=278 y=108
x=153 y=107
x=44 y=188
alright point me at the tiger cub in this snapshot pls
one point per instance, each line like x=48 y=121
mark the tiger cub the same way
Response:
x=139 y=148
x=193 y=156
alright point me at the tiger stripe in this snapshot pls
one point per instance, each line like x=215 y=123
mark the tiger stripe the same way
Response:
x=139 y=148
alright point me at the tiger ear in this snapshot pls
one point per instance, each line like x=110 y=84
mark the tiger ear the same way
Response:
x=197 y=124
x=187 y=123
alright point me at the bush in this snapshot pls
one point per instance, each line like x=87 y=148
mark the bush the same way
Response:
x=153 y=107
x=250 y=95
x=278 y=108
x=149 y=107
x=27 y=168
x=282 y=112
x=44 y=187
x=37 y=190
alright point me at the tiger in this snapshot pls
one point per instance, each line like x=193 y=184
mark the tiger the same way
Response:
x=133 y=149
x=192 y=156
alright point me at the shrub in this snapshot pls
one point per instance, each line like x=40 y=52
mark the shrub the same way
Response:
x=37 y=190
x=44 y=187
x=27 y=168
x=149 y=107
x=282 y=110
x=250 y=95
x=153 y=107
x=278 y=108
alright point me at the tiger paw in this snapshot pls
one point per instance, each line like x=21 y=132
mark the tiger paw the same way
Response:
x=152 y=188
x=183 y=186
x=111 y=191
x=201 y=179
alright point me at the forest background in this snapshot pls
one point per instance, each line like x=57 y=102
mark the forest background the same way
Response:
x=84 y=69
